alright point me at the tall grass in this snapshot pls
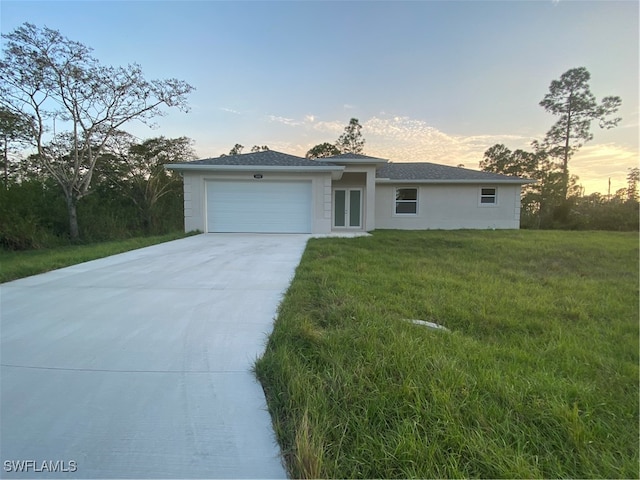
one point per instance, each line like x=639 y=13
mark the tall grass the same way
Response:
x=537 y=377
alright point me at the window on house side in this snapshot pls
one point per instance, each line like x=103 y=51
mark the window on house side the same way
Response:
x=488 y=196
x=406 y=201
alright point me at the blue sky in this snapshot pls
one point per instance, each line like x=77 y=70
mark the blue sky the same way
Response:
x=429 y=81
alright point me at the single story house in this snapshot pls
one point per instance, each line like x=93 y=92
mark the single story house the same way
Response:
x=273 y=192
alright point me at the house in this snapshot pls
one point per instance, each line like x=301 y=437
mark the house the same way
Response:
x=273 y=192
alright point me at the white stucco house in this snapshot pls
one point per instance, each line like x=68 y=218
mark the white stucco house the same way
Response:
x=273 y=192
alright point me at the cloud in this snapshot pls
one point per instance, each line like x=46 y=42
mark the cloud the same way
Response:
x=596 y=164
x=293 y=148
x=305 y=133
x=310 y=122
x=284 y=120
x=403 y=139
x=230 y=110
x=400 y=139
x=333 y=128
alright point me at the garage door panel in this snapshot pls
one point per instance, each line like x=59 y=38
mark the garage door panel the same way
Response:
x=268 y=207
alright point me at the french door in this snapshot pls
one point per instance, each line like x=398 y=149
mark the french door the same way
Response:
x=347 y=208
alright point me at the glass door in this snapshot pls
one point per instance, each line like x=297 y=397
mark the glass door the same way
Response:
x=347 y=208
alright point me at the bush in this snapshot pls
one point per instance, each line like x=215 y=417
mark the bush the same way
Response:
x=589 y=213
x=593 y=212
x=24 y=233
x=31 y=216
x=34 y=215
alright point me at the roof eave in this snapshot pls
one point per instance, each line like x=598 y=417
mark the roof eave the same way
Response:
x=283 y=168
x=335 y=170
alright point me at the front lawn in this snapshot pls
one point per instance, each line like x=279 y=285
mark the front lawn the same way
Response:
x=537 y=377
x=19 y=264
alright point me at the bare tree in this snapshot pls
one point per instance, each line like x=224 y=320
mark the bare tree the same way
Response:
x=74 y=105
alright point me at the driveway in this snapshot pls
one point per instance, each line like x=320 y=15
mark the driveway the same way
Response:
x=138 y=365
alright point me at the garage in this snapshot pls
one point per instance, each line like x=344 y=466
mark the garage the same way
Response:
x=258 y=206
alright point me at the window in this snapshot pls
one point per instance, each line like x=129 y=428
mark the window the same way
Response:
x=488 y=196
x=406 y=201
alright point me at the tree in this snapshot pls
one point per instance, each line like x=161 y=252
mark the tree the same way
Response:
x=351 y=141
x=14 y=132
x=139 y=171
x=633 y=177
x=571 y=99
x=236 y=150
x=45 y=77
x=542 y=203
x=499 y=159
x=322 y=150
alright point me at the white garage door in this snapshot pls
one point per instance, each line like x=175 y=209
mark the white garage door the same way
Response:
x=259 y=206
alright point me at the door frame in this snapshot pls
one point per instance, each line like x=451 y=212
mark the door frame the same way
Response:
x=347 y=212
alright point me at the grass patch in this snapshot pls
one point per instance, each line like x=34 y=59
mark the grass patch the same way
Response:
x=20 y=264
x=537 y=378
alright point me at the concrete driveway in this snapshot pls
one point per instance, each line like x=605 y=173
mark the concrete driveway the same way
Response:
x=138 y=365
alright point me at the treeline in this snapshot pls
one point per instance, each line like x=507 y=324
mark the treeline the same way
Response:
x=618 y=212
x=545 y=205
x=131 y=194
x=599 y=212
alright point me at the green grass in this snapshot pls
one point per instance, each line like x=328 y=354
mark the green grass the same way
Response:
x=537 y=378
x=14 y=265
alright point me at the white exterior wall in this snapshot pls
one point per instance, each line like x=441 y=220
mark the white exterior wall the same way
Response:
x=195 y=196
x=449 y=207
x=370 y=200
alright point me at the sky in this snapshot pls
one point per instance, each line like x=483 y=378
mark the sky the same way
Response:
x=430 y=81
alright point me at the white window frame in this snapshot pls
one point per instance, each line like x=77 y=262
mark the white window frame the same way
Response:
x=486 y=195
x=395 y=201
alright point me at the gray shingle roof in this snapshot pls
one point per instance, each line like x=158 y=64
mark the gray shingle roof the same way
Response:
x=358 y=156
x=262 y=159
x=419 y=172
x=432 y=171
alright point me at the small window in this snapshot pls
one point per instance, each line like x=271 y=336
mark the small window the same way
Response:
x=488 y=196
x=406 y=201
